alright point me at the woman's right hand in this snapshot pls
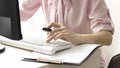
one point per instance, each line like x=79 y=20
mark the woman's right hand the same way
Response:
x=61 y=32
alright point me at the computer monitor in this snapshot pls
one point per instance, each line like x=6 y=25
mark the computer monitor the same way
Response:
x=10 y=19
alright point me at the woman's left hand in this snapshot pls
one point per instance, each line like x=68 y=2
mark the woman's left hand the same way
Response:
x=61 y=32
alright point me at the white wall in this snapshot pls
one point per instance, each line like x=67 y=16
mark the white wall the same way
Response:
x=114 y=7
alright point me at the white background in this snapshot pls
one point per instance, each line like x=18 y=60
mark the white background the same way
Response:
x=114 y=7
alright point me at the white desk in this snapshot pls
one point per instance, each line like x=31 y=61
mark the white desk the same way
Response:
x=11 y=58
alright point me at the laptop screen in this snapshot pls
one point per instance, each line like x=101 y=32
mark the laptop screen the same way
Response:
x=10 y=19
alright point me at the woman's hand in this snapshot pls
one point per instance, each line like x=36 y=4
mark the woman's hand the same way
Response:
x=61 y=32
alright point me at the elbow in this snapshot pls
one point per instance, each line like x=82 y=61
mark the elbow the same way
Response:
x=107 y=39
x=104 y=38
x=24 y=17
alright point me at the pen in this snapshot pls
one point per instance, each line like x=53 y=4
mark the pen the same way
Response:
x=43 y=60
x=46 y=29
x=49 y=61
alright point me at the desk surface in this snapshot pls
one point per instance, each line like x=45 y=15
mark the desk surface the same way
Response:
x=11 y=58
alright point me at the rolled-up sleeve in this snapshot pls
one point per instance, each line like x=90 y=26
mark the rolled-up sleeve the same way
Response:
x=28 y=8
x=99 y=16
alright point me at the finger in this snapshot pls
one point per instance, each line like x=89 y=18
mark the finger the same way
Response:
x=62 y=36
x=51 y=37
x=57 y=30
x=53 y=25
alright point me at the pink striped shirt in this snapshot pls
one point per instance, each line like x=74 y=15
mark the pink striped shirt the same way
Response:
x=80 y=16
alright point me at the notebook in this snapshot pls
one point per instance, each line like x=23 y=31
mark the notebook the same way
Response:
x=75 y=55
x=37 y=45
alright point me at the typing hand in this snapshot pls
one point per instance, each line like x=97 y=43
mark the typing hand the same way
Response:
x=61 y=32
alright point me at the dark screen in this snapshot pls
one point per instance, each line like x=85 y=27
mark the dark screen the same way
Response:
x=10 y=19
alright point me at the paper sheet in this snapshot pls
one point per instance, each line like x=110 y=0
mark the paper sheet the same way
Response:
x=74 y=55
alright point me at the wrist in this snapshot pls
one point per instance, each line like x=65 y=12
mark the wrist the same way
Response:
x=86 y=38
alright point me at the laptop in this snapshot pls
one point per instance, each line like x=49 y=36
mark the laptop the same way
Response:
x=10 y=32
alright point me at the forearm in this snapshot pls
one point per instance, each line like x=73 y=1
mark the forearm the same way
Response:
x=103 y=37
